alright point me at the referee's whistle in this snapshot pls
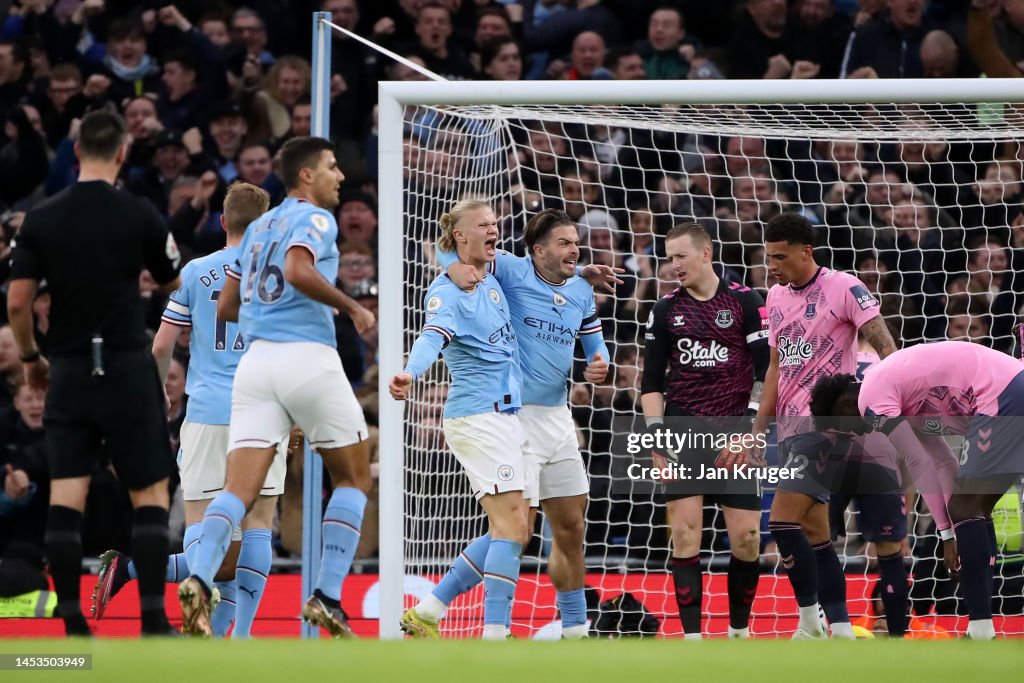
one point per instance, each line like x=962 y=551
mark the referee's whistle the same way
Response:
x=97 y=356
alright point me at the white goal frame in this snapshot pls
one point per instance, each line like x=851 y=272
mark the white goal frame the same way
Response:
x=394 y=96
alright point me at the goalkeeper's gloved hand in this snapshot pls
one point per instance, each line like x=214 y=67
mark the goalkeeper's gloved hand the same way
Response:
x=660 y=455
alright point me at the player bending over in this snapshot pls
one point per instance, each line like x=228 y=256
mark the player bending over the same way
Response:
x=215 y=347
x=814 y=315
x=705 y=354
x=281 y=292
x=550 y=308
x=974 y=391
x=474 y=332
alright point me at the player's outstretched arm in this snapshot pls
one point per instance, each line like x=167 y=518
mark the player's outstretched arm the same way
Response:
x=230 y=300
x=876 y=332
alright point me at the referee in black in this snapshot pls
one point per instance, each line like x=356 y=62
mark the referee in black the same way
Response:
x=90 y=243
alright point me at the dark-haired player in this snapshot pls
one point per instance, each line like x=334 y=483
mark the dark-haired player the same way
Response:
x=974 y=391
x=550 y=308
x=705 y=355
x=281 y=290
x=814 y=315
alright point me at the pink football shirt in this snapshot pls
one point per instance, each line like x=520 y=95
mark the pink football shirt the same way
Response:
x=814 y=329
x=950 y=378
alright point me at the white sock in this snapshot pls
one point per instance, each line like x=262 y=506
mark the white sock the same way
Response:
x=739 y=633
x=494 y=632
x=809 y=619
x=430 y=608
x=843 y=629
x=981 y=629
x=692 y=636
x=575 y=632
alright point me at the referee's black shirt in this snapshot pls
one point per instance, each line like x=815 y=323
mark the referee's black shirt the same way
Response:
x=90 y=242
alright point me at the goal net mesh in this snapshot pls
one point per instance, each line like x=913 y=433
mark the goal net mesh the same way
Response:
x=919 y=201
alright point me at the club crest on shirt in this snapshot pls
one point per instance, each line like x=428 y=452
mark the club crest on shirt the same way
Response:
x=505 y=472
x=724 y=319
x=495 y=297
x=811 y=311
x=794 y=351
x=559 y=299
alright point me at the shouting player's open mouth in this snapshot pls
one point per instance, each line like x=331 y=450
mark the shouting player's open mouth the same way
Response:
x=490 y=246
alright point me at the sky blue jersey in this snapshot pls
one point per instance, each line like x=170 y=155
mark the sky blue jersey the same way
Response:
x=215 y=346
x=547 y=318
x=473 y=332
x=272 y=309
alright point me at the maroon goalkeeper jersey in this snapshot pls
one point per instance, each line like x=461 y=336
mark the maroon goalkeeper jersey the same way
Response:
x=704 y=355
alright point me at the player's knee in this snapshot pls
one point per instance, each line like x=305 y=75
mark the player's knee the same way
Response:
x=746 y=545
x=568 y=534
x=961 y=507
x=686 y=539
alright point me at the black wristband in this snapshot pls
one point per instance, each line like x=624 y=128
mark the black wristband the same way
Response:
x=30 y=357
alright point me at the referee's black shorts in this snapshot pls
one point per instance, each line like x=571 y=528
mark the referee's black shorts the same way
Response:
x=119 y=416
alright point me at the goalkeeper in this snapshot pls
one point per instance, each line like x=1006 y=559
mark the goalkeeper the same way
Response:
x=550 y=308
x=705 y=354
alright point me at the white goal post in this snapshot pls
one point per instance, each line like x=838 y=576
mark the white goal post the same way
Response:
x=805 y=110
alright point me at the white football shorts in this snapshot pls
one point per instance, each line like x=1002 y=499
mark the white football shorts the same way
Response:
x=490 y=447
x=281 y=384
x=554 y=452
x=203 y=462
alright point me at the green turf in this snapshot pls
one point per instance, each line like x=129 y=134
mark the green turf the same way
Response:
x=294 y=661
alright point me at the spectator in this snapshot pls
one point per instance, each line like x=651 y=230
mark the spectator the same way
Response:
x=250 y=32
x=214 y=26
x=131 y=71
x=587 y=58
x=625 y=65
x=172 y=154
x=228 y=129
x=822 y=34
x=25 y=494
x=269 y=110
x=890 y=43
x=64 y=101
x=10 y=367
x=1010 y=31
x=255 y=165
x=434 y=45
x=760 y=47
x=141 y=120
x=357 y=219
x=668 y=50
x=194 y=76
x=491 y=22
x=501 y=60
x=354 y=72
x=940 y=57
x=559 y=28
x=982 y=42
x=24 y=162
x=990 y=285
x=13 y=75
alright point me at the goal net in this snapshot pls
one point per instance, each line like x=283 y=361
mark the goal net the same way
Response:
x=920 y=200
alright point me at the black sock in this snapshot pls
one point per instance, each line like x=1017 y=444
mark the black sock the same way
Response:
x=893 y=578
x=64 y=552
x=742 y=587
x=798 y=560
x=975 y=549
x=831 y=584
x=149 y=550
x=689 y=591
x=990 y=577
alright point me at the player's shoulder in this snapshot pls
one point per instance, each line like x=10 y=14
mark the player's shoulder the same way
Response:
x=838 y=278
x=741 y=292
x=775 y=291
x=442 y=286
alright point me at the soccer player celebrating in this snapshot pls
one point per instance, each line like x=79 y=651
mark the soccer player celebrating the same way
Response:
x=974 y=391
x=550 y=308
x=814 y=315
x=281 y=292
x=473 y=330
x=711 y=338
x=215 y=347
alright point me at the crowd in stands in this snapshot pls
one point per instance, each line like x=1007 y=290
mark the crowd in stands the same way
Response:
x=211 y=90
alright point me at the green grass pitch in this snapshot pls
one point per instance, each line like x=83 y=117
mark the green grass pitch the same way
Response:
x=294 y=661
